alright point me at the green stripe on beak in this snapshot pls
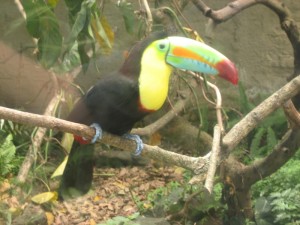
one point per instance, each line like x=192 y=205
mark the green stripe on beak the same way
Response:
x=188 y=54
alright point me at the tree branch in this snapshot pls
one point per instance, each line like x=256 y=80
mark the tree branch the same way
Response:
x=149 y=16
x=161 y=122
x=226 y=13
x=214 y=159
x=292 y=114
x=262 y=168
x=197 y=165
x=250 y=121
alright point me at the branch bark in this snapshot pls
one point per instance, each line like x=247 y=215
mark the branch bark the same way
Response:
x=161 y=122
x=250 y=121
x=271 y=163
x=244 y=176
x=197 y=165
x=214 y=159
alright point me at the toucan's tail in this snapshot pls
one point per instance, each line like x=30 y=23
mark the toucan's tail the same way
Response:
x=78 y=174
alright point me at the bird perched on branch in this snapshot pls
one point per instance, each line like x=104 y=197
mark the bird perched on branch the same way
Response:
x=139 y=87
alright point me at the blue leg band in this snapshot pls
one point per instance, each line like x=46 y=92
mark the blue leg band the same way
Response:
x=139 y=143
x=98 y=131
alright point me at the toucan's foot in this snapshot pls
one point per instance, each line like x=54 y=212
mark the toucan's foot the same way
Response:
x=98 y=131
x=138 y=141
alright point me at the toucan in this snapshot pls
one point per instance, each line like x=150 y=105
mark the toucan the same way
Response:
x=120 y=99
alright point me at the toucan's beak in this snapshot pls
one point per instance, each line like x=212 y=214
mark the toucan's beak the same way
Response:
x=188 y=54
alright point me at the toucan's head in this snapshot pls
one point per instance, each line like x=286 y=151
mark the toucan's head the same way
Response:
x=187 y=54
x=179 y=52
x=157 y=59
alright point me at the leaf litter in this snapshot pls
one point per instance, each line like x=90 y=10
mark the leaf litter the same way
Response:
x=117 y=195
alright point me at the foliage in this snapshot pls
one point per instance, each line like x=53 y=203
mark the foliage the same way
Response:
x=132 y=23
x=281 y=191
x=88 y=27
x=128 y=15
x=265 y=136
x=285 y=205
x=162 y=192
x=122 y=220
x=158 y=196
x=277 y=200
x=13 y=137
x=171 y=199
x=7 y=156
x=285 y=178
x=40 y=22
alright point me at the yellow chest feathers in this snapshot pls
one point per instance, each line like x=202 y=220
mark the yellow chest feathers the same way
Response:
x=154 y=79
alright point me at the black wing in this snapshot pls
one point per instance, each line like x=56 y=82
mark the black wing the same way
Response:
x=113 y=103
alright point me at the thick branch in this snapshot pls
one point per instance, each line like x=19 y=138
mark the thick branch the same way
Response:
x=233 y=8
x=197 y=165
x=250 y=121
x=271 y=163
x=235 y=135
x=225 y=13
x=292 y=114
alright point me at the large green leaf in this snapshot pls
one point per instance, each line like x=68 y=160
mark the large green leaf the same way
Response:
x=74 y=7
x=80 y=29
x=128 y=16
x=79 y=24
x=42 y=24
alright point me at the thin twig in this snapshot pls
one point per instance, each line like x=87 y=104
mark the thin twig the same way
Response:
x=161 y=122
x=149 y=16
x=218 y=97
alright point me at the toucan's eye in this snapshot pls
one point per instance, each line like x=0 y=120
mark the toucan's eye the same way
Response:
x=161 y=46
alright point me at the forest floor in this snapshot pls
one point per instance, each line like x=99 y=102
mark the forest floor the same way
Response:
x=115 y=192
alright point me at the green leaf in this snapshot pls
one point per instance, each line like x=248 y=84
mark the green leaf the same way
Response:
x=78 y=26
x=7 y=155
x=256 y=142
x=246 y=106
x=128 y=16
x=52 y=3
x=42 y=24
x=80 y=31
x=49 y=47
x=74 y=7
x=271 y=139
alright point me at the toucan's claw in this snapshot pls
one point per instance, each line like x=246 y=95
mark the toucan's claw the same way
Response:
x=138 y=141
x=98 y=131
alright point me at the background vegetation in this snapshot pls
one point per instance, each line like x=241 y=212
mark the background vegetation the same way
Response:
x=275 y=199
